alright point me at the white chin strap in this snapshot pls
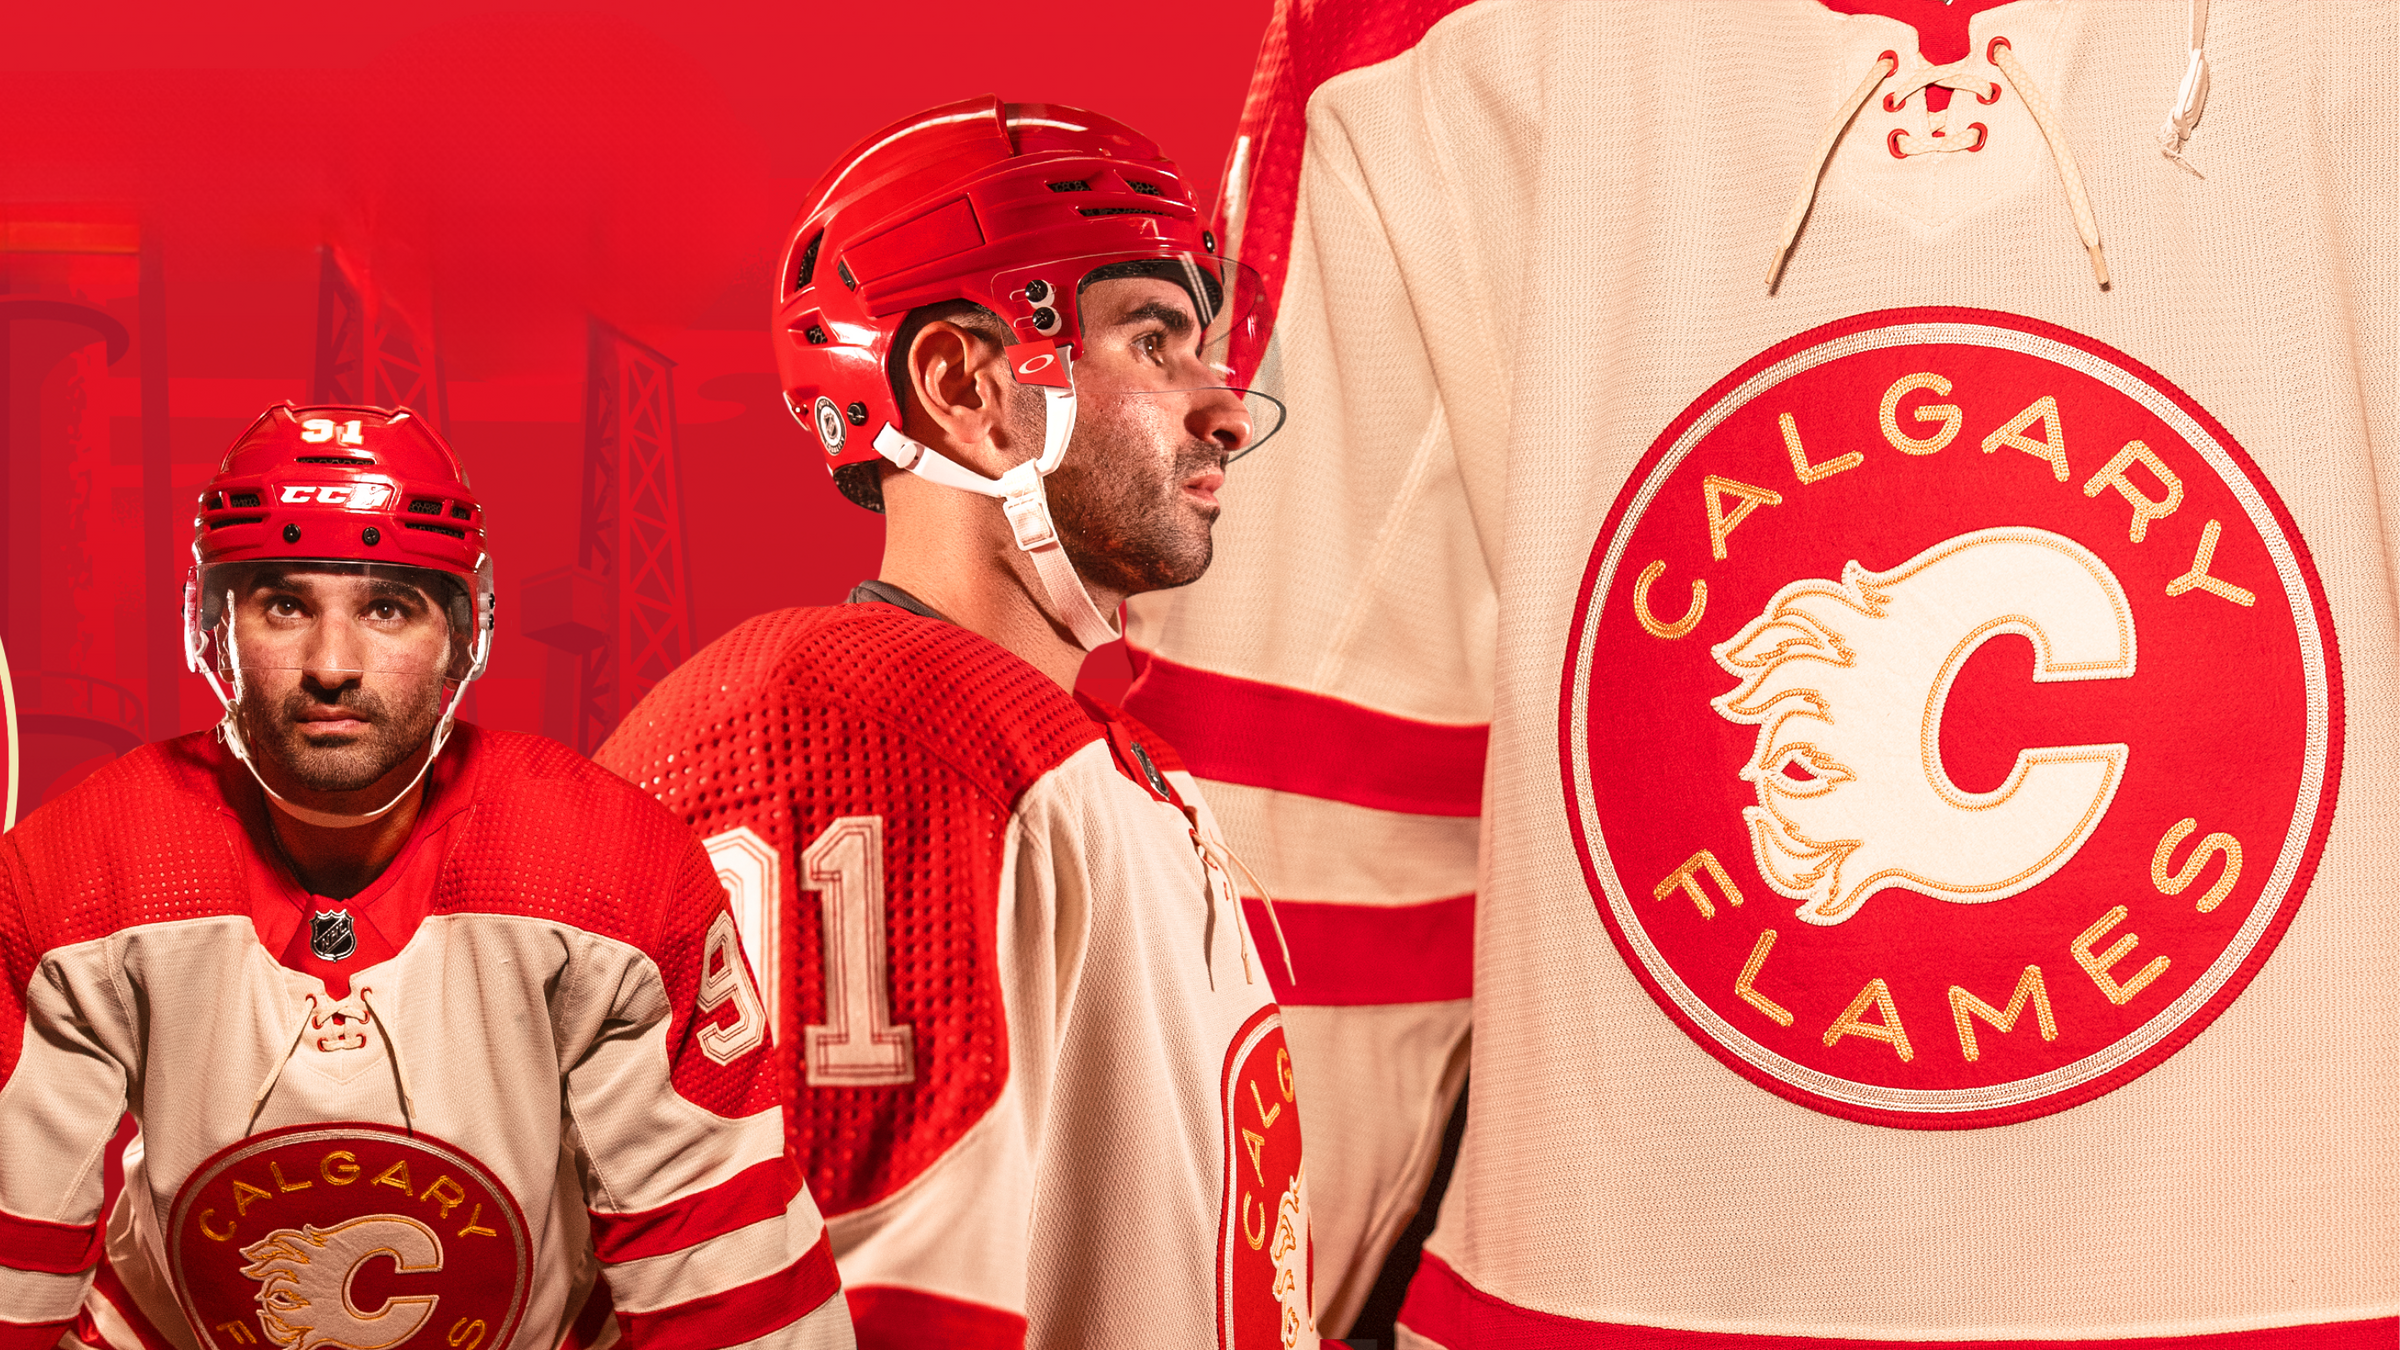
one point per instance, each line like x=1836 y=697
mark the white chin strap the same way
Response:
x=231 y=730
x=1027 y=506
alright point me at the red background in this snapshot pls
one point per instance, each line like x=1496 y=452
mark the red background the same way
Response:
x=500 y=179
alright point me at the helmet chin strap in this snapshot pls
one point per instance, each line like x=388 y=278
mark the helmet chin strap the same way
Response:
x=1027 y=507
x=231 y=729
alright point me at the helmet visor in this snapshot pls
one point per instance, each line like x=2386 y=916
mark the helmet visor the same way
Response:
x=1189 y=343
x=333 y=618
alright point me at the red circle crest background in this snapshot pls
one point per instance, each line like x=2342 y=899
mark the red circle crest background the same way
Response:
x=2231 y=716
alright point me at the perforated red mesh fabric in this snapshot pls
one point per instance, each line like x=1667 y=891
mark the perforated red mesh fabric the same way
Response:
x=554 y=836
x=799 y=718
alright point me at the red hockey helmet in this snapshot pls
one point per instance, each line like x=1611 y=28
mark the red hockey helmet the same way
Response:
x=355 y=487
x=1011 y=206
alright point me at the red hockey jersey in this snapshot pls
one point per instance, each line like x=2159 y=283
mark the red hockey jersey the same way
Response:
x=543 y=1043
x=1035 y=1067
x=1907 y=731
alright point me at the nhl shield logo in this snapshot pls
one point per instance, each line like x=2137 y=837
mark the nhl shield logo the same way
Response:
x=1951 y=719
x=331 y=934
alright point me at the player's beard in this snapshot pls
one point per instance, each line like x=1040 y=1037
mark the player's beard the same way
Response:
x=1122 y=512
x=397 y=727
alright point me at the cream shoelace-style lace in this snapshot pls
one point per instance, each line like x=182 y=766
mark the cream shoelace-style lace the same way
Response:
x=1955 y=76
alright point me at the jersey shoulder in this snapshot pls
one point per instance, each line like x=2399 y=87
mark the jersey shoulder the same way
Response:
x=553 y=835
x=147 y=839
x=804 y=685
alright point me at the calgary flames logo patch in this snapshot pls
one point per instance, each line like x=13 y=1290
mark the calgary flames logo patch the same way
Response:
x=1264 y=1249
x=348 y=1237
x=1951 y=719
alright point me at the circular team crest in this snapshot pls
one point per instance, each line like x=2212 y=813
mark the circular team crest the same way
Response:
x=348 y=1237
x=1951 y=719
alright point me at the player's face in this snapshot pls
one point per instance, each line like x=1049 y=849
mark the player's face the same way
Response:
x=1136 y=495
x=341 y=673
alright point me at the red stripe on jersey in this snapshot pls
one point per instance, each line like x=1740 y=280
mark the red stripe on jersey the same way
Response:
x=1347 y=956
x=35 y=1336
x=742 y=1313
x=752 y=1195
x=120 y=1299
x=53 y=1248
x=1443 y=1306
x=1264 y=735
x=887 y=1317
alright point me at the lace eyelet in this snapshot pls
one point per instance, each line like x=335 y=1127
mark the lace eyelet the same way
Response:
x=1995 y=98
x=1891 y=107
x=1983 y=134
x=1892 y=142
x=1996 y=44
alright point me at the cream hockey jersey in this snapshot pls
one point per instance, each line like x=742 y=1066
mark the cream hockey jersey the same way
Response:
x=1910 y=737
x=405 y=1120
x=1034 y=1065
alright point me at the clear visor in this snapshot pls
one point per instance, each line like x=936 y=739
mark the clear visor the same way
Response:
x=1187 y=346
x=337 y=619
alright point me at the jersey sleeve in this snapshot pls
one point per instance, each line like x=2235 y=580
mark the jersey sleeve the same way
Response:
x=1329 y=681
x=61 y=1097
x=705 y=1233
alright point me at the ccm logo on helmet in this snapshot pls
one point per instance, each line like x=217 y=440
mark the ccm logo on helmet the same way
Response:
x=356 y=496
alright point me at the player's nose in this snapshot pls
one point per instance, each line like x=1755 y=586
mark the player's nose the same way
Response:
x=1221 y=418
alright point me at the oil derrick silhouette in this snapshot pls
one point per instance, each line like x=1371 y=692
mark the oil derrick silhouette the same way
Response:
x=620 y=618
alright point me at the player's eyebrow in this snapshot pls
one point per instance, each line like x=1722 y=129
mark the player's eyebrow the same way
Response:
x=1173 y=317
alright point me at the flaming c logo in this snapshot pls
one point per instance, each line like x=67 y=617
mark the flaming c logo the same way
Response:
x=1846 y=682
x=348 y=1237
x=305 y=1274
x=1950 y=719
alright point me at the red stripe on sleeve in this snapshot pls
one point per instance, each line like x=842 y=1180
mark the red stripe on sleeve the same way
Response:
x=1347 y=956
x=1442 y=1305
x=1264 y=735
x=120 y=1299
x=24 y=1336
x=743 y=1313
x=887 y=1317
x=53 y=1248
x=750 y=1196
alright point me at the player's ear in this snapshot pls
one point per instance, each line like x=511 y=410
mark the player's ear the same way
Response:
x=960 y=384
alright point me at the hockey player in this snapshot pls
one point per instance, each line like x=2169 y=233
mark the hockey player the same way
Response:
x=1831 y=570
x=1033 y=1059
x=414 y=1017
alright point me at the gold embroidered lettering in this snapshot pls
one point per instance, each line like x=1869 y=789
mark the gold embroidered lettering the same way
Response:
x=1945 y=413
x=475 y=1226
x=1889 y=1031
x=446 y=1193
x=2097 y=966
x=1687 y=878
x=2176 y=883
x=1714 y=490
x=276 y=1169
x=1283 y=1072
x=1651 y=623
x=246 y=1195
x=1801 y=468
x=467 y=1335
x=2145 y=507
x=1266 y=1118
x=396 y=1176
x=237 y=1333
x=1254 y=1141
x=1256 y=1237
x=213 y=1234
x=2053 y=444
x=1744 y=986
x=348 y=1171
x=1964 y=1007
x=2199 y=579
